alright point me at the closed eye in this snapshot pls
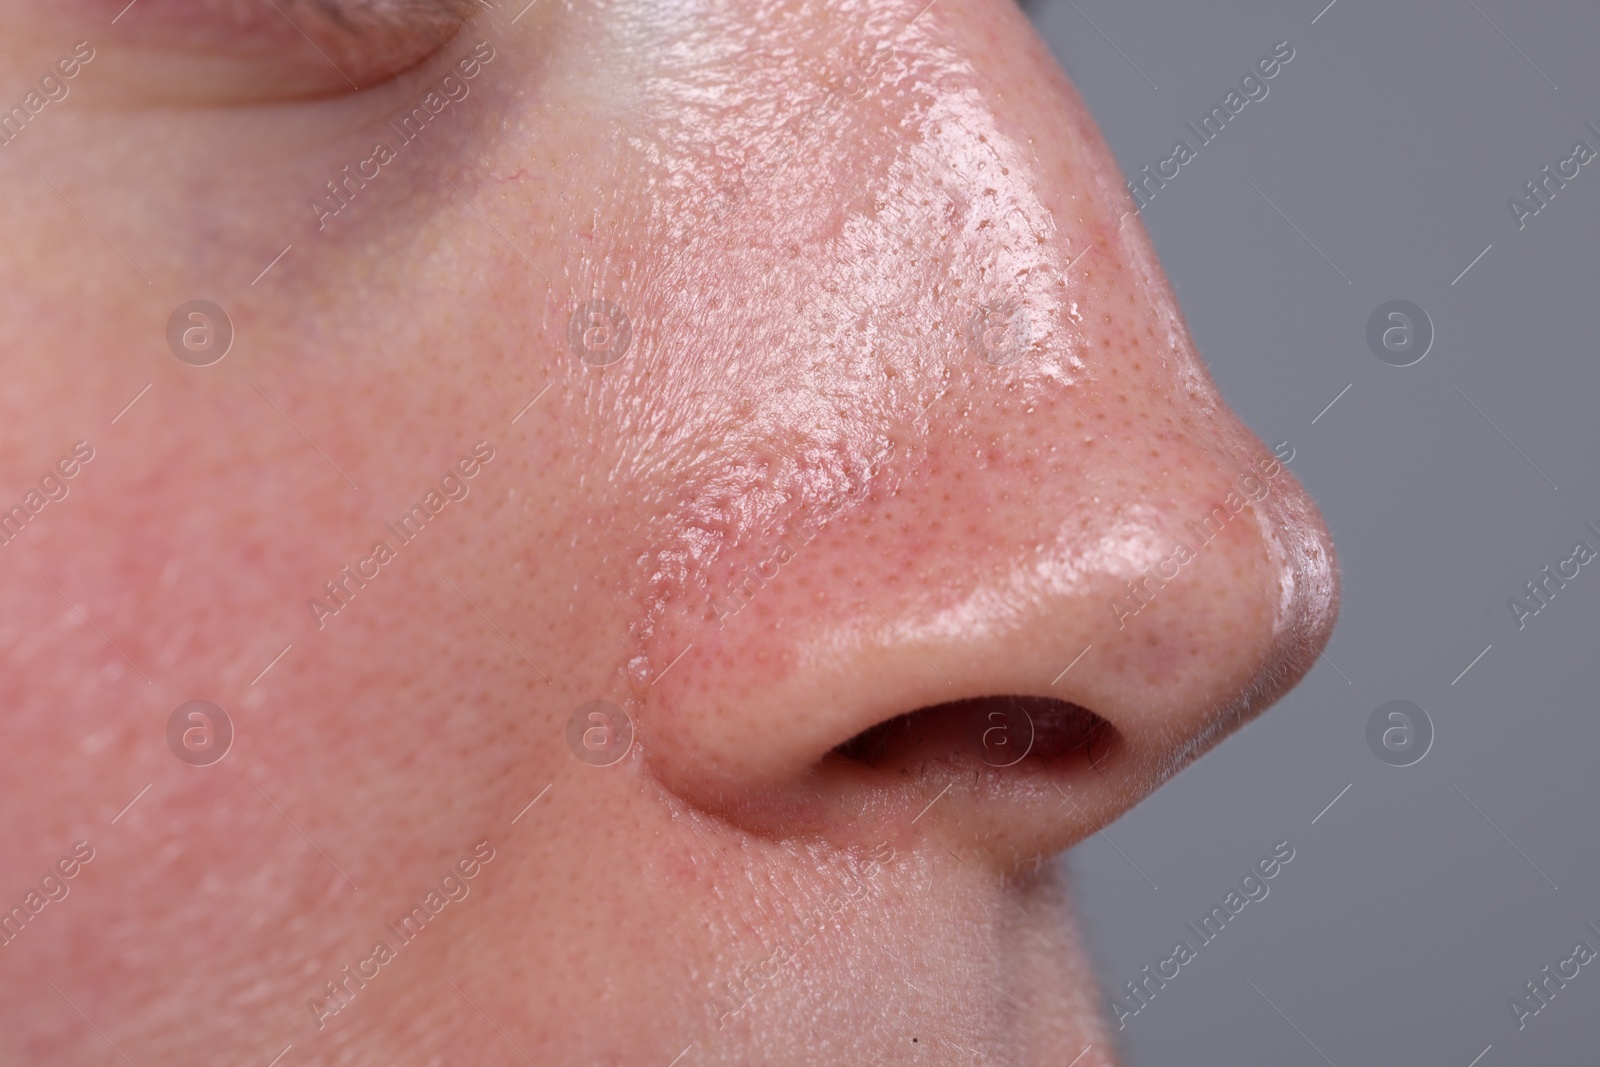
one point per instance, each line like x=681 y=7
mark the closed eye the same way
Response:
x=259 y=51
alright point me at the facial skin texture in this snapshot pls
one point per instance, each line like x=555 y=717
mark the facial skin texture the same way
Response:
x=819 y=219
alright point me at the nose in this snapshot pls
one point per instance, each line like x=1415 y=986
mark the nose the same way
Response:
x=1001 y=649
x=988 y=558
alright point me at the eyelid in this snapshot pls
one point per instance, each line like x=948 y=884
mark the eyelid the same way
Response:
x=244 y=52
x=359 y=17
x=390 y=36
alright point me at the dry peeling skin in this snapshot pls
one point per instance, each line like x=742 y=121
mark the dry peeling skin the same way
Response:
x=803 y=506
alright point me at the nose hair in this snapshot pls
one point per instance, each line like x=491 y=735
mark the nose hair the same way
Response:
x=1005 y=666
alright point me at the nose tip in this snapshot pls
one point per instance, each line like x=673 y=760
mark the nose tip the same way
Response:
x=1009 y=673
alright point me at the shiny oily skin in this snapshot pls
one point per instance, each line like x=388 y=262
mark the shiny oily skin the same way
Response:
x=802 y=208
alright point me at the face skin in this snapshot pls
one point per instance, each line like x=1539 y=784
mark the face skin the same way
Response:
x=905 y=404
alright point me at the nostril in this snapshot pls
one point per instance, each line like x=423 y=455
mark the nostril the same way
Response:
x=1025 y=732
x=1016 y=775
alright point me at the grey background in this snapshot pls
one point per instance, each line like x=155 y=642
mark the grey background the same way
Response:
x=1393 y=140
